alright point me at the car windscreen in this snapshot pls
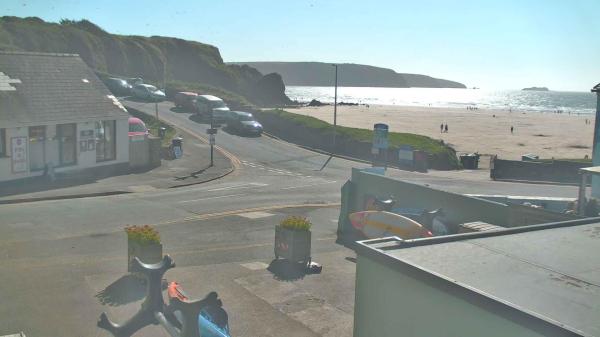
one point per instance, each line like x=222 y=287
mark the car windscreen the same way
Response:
x=246 y=118
x=217 y=104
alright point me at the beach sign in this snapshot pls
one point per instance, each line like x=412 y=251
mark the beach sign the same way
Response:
x=380 y=136
x=405 y=155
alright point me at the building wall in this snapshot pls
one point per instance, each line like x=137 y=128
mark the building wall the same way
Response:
x=389 y=303
x=85 y=159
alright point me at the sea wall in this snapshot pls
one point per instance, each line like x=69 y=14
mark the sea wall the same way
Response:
x=558 y=171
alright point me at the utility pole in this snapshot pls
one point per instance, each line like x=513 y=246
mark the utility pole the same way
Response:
x=596 y=144
x=212 y=142
x=335 y=109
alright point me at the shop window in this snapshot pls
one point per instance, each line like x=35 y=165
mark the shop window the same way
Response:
x=106 y=142
x=67 y=138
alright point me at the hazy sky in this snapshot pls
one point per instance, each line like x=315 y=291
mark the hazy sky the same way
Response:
x=502 y=44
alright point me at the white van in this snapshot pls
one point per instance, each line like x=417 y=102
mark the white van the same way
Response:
x=205 y=104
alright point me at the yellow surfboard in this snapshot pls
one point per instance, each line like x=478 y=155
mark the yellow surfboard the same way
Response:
x=378 y=224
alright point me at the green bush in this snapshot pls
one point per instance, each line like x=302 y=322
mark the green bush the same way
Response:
x=297 y=223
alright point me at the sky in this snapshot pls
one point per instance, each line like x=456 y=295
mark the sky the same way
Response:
x=502 y=44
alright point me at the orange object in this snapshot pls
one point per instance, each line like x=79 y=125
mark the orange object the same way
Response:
x=174 y=291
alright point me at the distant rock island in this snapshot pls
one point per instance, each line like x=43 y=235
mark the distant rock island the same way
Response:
x=349 y=75
x=536 y=89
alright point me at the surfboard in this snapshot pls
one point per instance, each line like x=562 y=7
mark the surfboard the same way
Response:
x=378 y=224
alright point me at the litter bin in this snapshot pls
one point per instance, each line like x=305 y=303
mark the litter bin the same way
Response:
x=161 y=132
x=177 y=146
x=470 y=161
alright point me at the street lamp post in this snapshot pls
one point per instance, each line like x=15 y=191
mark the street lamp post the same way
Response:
x=596 y=145
x=335 y=108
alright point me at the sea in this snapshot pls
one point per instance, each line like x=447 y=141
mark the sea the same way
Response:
x=518 y=100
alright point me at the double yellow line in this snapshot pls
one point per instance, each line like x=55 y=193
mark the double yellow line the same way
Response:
x=206 y=216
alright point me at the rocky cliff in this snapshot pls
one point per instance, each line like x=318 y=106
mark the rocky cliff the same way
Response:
x=152 y=58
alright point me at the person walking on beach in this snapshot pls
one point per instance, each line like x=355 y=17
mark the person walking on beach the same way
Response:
x=512 y=129
x=446 y=128
x=441 y=127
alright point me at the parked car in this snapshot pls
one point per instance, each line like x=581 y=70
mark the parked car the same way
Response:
x=186 y=100
x=137 y=127
x=207 y=104
x=135 y=80
x=244 y=122
x=118 y=86
x=148 y=92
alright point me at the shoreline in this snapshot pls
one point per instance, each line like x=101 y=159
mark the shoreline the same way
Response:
x=486 y=131
x=302 y=104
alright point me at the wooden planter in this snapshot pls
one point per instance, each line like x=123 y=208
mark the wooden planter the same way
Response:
x=147 y=253
x=292 y=245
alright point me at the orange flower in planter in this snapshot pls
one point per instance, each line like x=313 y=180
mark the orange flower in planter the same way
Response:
x=298 y=223
x=143 y=234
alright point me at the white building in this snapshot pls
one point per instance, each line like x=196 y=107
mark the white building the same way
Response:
x=56 y=113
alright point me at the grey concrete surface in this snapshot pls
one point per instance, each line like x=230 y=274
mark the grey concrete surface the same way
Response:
x=57 y=287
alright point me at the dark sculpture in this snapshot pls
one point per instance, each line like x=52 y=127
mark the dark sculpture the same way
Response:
x=155 y=311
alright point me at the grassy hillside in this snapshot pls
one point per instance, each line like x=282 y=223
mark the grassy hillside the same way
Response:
x=349 y=75
x=156 y=59
x=441 y=156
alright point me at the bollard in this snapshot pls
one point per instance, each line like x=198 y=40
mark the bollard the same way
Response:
x=154 y=311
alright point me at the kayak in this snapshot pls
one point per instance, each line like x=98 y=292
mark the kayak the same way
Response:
x=206 y=323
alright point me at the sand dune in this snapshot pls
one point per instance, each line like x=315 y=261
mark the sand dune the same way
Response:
x=545 y=134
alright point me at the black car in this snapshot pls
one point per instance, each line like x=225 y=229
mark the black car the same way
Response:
x=118 y=86
x=244 y=123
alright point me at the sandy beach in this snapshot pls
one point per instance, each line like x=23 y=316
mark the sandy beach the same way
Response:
x=545 y=134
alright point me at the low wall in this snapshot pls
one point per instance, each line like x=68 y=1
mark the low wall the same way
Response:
x=457 y=208
x=565 y=172
x=144 y=152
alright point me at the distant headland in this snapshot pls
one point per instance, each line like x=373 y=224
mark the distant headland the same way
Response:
x=350 y=75
x=536 y=89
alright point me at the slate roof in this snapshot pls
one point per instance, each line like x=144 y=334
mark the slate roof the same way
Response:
x=596 y=88
x=45 y=88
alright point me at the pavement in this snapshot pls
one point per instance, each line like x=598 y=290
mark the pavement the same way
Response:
x=64 y=261
x=192 y=168
x=60 y=287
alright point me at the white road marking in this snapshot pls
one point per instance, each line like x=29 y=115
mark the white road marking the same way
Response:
x=301 y=186
x=235 y=187
x=208 y=198
x=255 y=215
x=255 y=265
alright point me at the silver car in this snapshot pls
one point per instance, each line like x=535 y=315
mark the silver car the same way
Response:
x=147 y=92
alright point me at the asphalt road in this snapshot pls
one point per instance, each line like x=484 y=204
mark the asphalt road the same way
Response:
x=59 y=255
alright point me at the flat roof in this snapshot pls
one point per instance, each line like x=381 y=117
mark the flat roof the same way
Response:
x=550 y=271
